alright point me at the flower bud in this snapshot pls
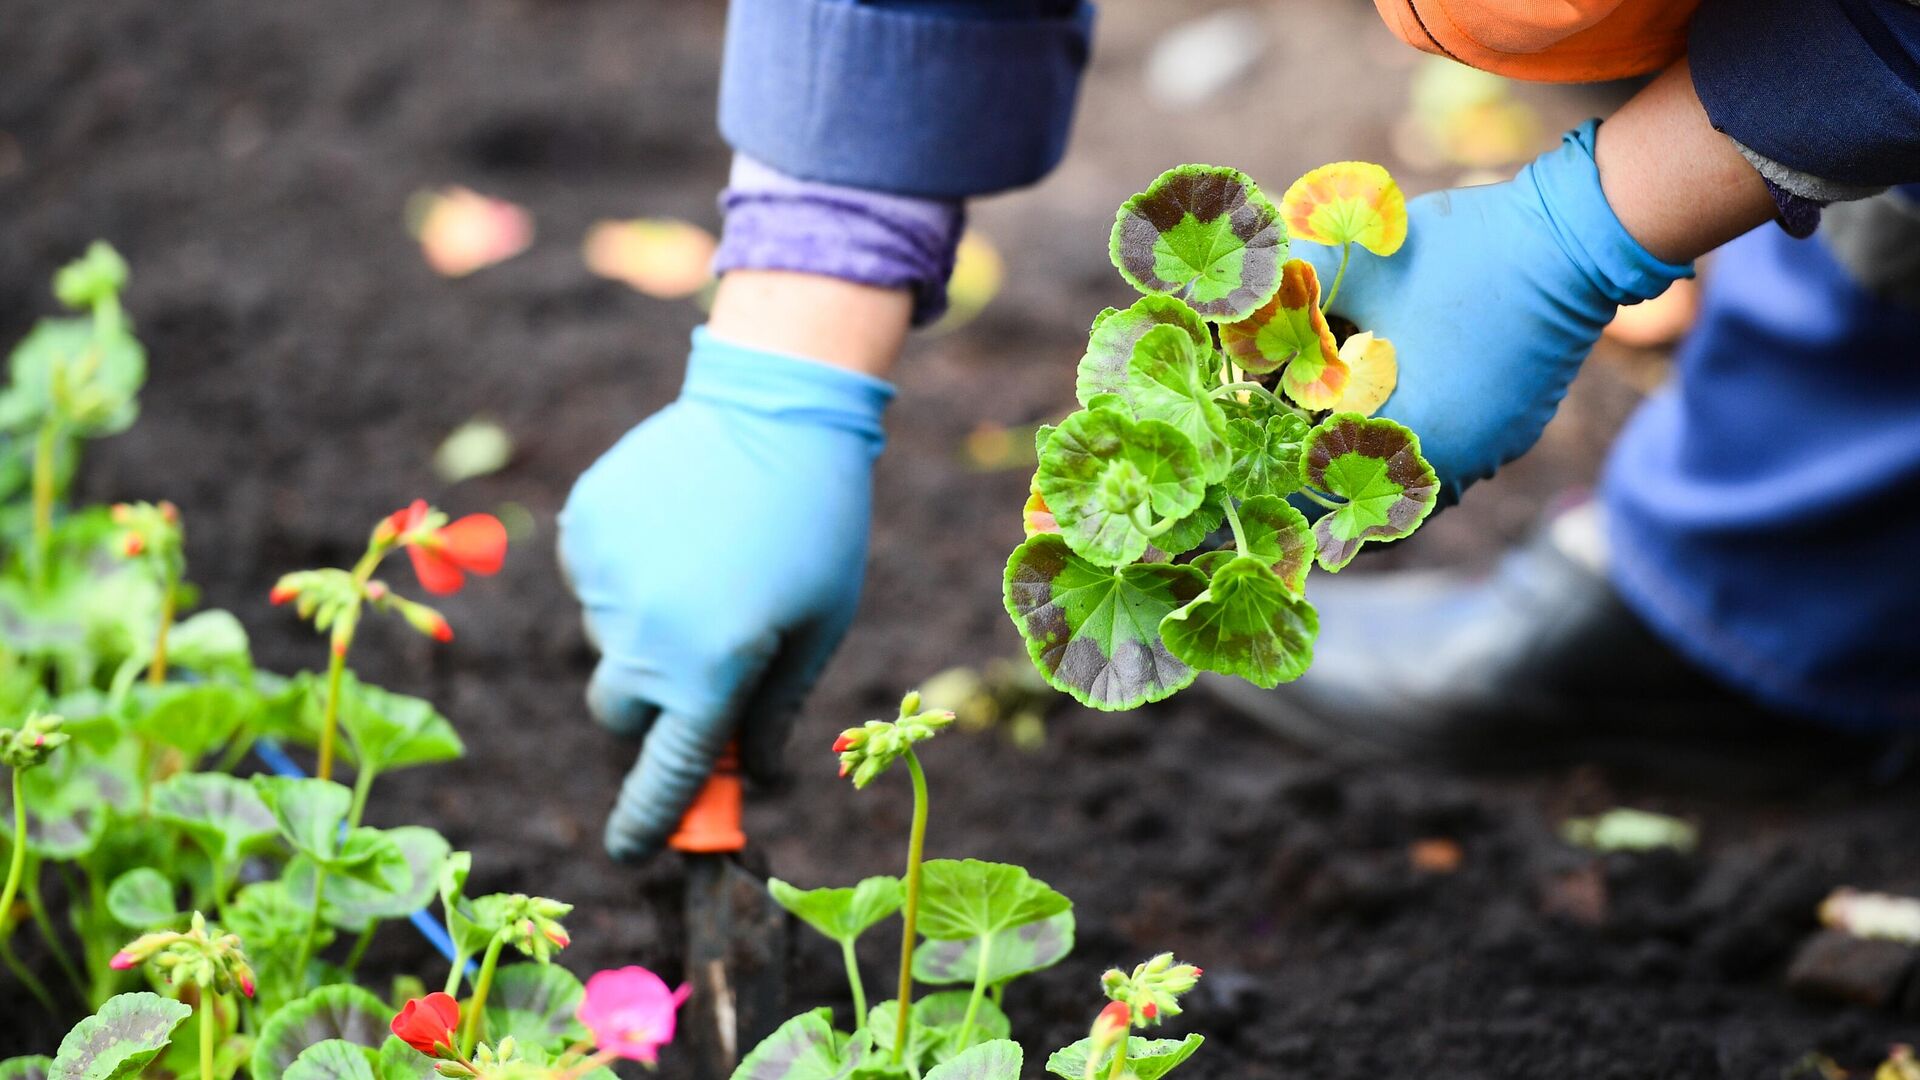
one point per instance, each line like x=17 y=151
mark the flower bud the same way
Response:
x=133 y=544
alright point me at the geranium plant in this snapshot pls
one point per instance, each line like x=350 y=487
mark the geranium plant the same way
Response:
x=970 y=927
x=245 y=902
x=1222 y=397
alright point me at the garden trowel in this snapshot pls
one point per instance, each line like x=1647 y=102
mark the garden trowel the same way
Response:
x=736 y=934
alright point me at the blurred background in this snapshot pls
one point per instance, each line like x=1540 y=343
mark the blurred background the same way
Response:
x=453 y=249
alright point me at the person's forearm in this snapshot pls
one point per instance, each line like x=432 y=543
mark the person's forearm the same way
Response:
x=1678 y=186
x=858 y=327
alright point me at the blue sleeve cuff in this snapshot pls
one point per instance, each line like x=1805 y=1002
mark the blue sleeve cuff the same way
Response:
x=914 y=100
x=1830 y=88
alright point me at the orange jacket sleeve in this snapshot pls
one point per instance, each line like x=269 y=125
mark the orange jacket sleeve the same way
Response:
x=1547 y=40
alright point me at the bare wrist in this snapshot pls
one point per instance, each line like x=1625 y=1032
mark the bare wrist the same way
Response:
x=857 y=327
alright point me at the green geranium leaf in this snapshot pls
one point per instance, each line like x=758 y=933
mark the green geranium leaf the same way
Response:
x=1204 y=233
x=841 y=914
x=1103 y=370
x=334 y=1059
x=120 y=1040
x=66 y=811
x=142 y=899
x=1187 y=533
x=1103 y=473
x=1247 y=623
x=386 y=730
x=803 y=1048
x=1266 y=456
x=223 y=814
x=1278 y=535
x=933 y=1024
x=213 y=643
x=398 y=1061
x=1375 y=465
x=1148 y=1059
x=1094 y=631
x=535 y=1003
x=472 y=925
x=94 y=277
x=33 y=1067
x=1020 y=951
x=968 y=898
x=398 y=876
x=269 y=920
x=995 y=1060
x=341 y=1011
x=1165 y=381
x=196 y=719
x=91 y=376
x=309 y=812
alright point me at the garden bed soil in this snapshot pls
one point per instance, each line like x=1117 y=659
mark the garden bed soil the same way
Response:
x=253 y=161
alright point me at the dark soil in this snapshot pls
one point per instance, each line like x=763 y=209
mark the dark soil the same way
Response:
x=252 y=161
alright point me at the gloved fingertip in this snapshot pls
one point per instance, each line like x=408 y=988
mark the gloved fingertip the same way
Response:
x=616 y=709
x=627 y=844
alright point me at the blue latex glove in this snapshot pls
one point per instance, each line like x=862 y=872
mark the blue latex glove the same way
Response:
x=718 y=550
x=1495 y=299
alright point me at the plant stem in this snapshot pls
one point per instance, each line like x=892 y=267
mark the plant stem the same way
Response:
x=336 y=667
x=1315 y=497
x=208 y=1001
x=979 y=991
x=853 y=980
x=360 y=946
x=305 y=953
x=16 y=869
x=916 y=846
x=362 y=787
x=27 y=978
x=1119 y=1066
x=45 y=446
x=157 y=671
x=999 y=994
x=481 y=986
x=460 y=961
x=1233 y=521
x=1346 y=250
x=30 y=889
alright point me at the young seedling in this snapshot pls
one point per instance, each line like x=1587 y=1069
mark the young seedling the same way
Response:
x=22 y=749
x=443 y=554
x=1220 y=398
x=211 y=961
x=151 y=534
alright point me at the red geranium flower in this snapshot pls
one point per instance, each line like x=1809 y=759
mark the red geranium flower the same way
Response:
x=443 y=557
x=427 y=1023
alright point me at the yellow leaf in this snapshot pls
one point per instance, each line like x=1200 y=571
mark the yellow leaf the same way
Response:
x=1347 y=201
x=1372 y=369
x=977 y=273
x=660 y=257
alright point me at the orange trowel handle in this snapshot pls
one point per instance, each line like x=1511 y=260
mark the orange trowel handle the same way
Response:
x=712 y=823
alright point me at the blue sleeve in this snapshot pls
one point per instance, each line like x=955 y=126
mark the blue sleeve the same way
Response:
x=1829 y=88
x=933 y=98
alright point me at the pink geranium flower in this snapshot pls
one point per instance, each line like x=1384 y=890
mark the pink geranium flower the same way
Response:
x=631 y=1013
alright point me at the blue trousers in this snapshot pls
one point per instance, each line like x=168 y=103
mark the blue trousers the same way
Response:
x=1764 y=509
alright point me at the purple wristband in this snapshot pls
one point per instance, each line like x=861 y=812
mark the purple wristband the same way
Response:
x=777 y=222
x=1798 y=215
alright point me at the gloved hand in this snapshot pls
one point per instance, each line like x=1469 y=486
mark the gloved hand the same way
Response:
x=1495 y=299
x=718 y=550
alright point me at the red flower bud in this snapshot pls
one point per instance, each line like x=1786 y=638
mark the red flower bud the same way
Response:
x=123 y=960
x=282 y=593
x=427 y=1023
x=169 y=513
x=845 y=769
x=339 y=647
x=1197 y=972
x=441 y=630
x=377 y=590
x=559 y=938
x=1113 y=1021
x=841 y=744
x=121 y=513
x=1149 y=1010
x=246 y=984
x=134 y=544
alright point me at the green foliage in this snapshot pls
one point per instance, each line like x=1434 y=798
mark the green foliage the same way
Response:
x=803 y=1048
x=933 y=1028
x=841 y=914
x=995 y=1060
x=968 y=898
x=334 y=1059
x=119 y=1041
x=535 y=1005
x=342 y=1011
x=392 y=874
x=1147 y=1059
x=33 y=1067
x=1019 y=951
x=386 y=730
x=1121 y=590
x=142 y=899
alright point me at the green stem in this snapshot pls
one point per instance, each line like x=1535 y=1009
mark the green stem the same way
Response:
x=30 y=888
x=999 y=995
x=16 y=869
x=916 y=847
x=481 y=986
x=362 y=787
x=979 y=991
x=157 y=671
x=460 y=960
x=336 y=667
x=853 y=980
x=27 y=978
x=45 y=447
x=208 y=1001
x=1346 y=250
x=1233 y=521
x=1119 y=1067
x=1315 y=497
x=305 y=952
x=1141 y=518
x=360 y=946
